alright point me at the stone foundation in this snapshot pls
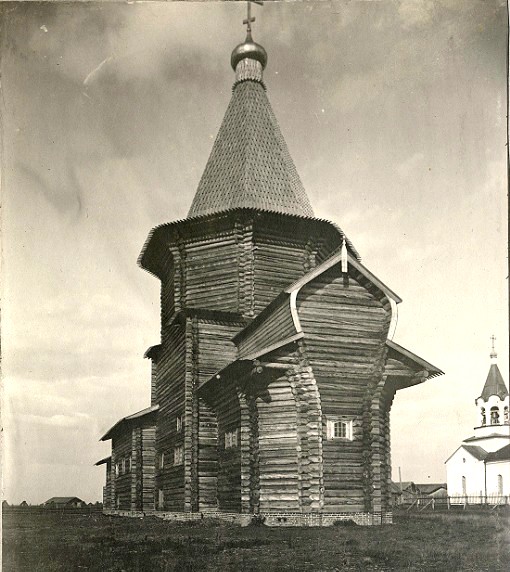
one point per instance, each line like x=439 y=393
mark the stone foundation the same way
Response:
x=268 y=519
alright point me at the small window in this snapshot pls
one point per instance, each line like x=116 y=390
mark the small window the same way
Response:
x=123 y=466
x=178 y=455
x=128 y=464
x=117 y=469
x=162 y=460
x=339 y=429
x=500 y=485
x=161 y=499
x=179 y=423
x=231 y=439
x=464 y=485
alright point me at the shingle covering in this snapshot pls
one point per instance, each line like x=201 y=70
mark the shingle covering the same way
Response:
x=494 y=385
x=250 y=165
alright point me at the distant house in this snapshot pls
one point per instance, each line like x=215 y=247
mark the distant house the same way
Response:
x=407 y=492
x=64 y=502
x=433 y=490
x=24 y=503
x=5 y=503
x=403 y=493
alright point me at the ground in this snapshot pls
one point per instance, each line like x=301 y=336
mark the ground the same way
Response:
x=51 y=541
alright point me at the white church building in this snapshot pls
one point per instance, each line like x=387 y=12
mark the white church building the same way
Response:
x=479 y=470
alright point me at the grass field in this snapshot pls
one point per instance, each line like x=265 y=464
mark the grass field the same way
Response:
x=433 y=541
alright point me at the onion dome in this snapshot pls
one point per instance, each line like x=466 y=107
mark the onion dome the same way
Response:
x=248 y=50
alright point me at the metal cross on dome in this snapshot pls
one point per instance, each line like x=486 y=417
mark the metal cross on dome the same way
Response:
x=249 y=19
x=493 y=340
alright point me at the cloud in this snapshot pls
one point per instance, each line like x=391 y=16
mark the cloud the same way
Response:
x=416 y=12
x=407 y=169
x=74 y=421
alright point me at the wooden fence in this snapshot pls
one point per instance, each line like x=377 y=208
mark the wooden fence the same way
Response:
x=448 y=502
x=45 y=510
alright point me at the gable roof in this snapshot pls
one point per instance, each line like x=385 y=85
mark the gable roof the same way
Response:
x=352 y=261
x=103 y=461
x=288 y=298
x=475 y=438
x=494 y=384
x=502 y=454
x=250 y=165
x=477 y=451
x=135 y=416
x=263 y=344
x=404 y=486
x=474 y=450
x=428 y=488
x=62 y=500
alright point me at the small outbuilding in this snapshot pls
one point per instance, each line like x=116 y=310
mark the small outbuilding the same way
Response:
x=432 y=490
x=64 y=502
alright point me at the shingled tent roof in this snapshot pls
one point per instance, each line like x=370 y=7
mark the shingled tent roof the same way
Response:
x=494 y=385
x=250 y=165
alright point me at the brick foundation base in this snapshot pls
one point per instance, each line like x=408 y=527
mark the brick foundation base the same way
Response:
x=269 y=519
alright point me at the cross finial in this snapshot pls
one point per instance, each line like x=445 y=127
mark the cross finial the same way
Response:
x=494 y=355
x=249 y=19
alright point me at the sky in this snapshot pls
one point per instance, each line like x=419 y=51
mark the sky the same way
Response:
x=394 y=113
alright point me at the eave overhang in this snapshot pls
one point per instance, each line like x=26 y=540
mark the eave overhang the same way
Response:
x=155 y=247
x=413 y=360
x=134 y=418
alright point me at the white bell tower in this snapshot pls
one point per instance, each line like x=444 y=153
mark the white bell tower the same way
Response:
x=492 y=426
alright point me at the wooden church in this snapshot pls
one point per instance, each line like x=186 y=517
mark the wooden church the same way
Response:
x=273 y=381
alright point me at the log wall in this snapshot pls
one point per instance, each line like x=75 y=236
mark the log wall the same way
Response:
x=229 y=460
x=171 y=399
x=239 y=263
x=207 y=458
x=278 y=442
x=211 y=273
x=345 y=326
x=277 y=264
x=148 y=469
x=121 y=484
